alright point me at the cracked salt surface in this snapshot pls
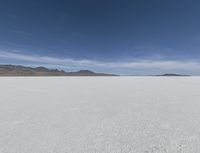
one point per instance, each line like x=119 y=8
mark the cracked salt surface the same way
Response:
x=100 y=115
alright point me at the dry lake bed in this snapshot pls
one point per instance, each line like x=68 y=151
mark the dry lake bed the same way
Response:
x=100 y=115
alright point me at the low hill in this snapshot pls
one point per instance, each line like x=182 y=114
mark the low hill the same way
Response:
x=172 y=74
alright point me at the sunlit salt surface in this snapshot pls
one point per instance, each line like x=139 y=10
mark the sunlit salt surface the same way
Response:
x=100 y=115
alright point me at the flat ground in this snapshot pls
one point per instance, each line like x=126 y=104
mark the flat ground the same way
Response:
x=100 y=115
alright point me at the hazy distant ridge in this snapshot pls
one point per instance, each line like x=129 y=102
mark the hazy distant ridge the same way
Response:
x=172 y=74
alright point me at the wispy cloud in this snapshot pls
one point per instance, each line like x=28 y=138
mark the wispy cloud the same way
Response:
x=47 y=59
x=144 y=64
x=24 y=33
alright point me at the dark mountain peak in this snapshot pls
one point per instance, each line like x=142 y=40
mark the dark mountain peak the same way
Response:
x=85 y=71
x=56 y=70
x=40 y=68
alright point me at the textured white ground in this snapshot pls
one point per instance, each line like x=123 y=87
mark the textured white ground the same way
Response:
x=100 y=115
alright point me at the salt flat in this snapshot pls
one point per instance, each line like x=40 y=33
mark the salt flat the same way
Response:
x=100 y=115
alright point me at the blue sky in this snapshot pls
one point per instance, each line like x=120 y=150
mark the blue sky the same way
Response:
x=135 y=37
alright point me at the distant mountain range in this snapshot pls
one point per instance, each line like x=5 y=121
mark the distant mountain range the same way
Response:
x=18 y=70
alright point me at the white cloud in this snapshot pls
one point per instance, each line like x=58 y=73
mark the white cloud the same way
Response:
x=87 y=63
